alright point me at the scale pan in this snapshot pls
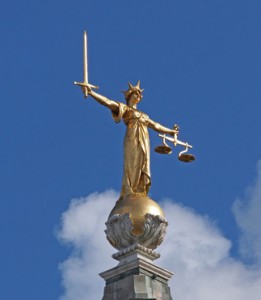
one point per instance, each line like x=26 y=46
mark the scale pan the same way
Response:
x=186 y=157
x=163 y=149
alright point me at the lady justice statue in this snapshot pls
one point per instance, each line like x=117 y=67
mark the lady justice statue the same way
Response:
x=136 y=181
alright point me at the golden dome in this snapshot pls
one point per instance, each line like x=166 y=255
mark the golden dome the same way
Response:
x=137 y=206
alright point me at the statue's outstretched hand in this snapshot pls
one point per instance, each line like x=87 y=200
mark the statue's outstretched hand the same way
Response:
x=86 y=90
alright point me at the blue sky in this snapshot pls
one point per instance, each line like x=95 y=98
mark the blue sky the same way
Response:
x=199 y=62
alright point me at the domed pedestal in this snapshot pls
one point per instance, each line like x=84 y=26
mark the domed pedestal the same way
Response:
x=136 y=226
x=137 y=206
x=136 y=220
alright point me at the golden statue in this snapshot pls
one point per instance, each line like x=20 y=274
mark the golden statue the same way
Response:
x=136 y=175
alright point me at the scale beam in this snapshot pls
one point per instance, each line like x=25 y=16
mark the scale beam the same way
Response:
x=175 y=141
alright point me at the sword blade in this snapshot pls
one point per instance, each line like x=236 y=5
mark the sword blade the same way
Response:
x=85 y=59
x=85 y=85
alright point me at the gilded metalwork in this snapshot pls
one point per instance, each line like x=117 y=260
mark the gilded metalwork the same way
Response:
x=133 y=89
x=165 y=149
x=137 y=206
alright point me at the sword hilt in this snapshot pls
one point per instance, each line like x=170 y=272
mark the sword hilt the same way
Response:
x=87 y=85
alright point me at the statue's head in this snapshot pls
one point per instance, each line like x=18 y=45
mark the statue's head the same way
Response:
x=134 y=92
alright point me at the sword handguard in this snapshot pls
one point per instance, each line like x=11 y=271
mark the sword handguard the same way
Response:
x=85 y=84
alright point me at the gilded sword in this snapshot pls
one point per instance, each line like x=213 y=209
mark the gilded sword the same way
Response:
x=85 y=84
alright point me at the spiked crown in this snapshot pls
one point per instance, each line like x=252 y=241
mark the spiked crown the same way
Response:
x=132 y=89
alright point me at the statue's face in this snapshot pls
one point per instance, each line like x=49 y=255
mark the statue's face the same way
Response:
x=134 y=98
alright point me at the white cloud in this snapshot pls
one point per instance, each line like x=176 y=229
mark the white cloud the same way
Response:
x=248 y=216
x=194 y=249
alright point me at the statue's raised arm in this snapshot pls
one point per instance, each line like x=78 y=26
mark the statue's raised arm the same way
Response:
x=111 y=104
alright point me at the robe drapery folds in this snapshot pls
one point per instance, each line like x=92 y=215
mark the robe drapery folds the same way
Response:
x=136 y=172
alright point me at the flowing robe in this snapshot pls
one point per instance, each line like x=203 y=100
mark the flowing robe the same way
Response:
x=136 y=172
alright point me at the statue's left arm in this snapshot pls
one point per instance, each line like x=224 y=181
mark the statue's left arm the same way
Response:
x=160 y=128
